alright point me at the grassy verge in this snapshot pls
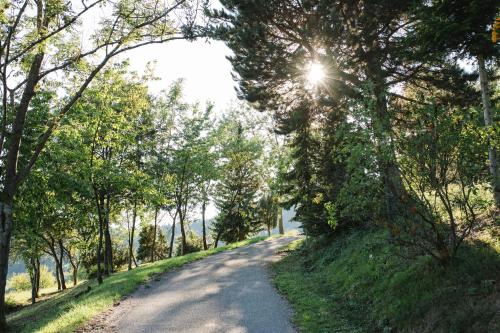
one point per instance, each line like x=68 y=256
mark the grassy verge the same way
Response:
x=66 y=311
x=358 y=283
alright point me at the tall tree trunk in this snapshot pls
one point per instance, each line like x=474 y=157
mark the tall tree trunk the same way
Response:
x=109 y=243
x=75 y=274
x=61 y=265
x=53 y=252
x=10 y=179
x=37 y=262
x=203 y=209
x=33 y=278
x=107 y=235
x=183 y=232
x=488 y=122
x=216 y=243
x=268 y=231
x=396 y=196
x=99 y=251
x=183 y=237
x=131 y=238
x=280 y=221
x=172 y=236
x=5 y=233
x=153 y=248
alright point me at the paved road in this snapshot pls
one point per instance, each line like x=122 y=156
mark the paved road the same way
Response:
x=227 y=292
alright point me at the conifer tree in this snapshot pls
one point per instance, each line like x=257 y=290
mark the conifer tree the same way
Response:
x=236 y=194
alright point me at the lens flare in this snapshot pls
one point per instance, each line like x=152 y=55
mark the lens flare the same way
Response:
x=315 y=73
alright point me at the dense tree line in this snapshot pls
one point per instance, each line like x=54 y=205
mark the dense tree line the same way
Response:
x=401 y=131
x=120 y=162
x=87 y=153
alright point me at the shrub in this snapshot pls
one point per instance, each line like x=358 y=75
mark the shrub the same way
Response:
x=47 y=279
x=20 y=281
x=194 y=243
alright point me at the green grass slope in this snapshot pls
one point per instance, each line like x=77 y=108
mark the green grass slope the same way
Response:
x=66 y=311
x=357 y=282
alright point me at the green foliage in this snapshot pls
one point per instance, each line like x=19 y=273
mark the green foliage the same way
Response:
x=236 y=196
x=268 y=211
x=351 y=136
x=359 y=283
x=194 y=244
x=46 y=277
x=442 y=165
x=20 y=281
x=145 y=250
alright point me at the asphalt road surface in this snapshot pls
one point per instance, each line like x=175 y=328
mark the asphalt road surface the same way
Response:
x=227 y=292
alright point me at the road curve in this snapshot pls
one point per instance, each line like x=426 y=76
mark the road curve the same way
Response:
x=226 y=292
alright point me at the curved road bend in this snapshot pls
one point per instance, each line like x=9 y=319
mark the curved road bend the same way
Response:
x=226 y=292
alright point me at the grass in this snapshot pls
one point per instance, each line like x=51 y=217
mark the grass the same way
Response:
x=17 y=299
x=357 y=283
x=65 y=312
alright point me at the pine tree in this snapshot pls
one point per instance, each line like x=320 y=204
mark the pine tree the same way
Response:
x=236 y=193
x=146 y=237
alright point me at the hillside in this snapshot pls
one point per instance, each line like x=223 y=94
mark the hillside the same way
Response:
x=357 y=283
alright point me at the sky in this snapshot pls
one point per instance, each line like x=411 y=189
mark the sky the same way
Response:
x=202 y=64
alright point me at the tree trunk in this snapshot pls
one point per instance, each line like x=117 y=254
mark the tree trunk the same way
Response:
x=75 y=274
x=183 y=233
x=108 y=263
x=216 y=243
x=53 y=252
x=5 y=233
x=107 y=235
x=99 y=252
x=33 y=278
x=396 y=196
x=58 y=279
x=61 y=265
x=280 y=221
x=488 y=122
x=10 y=179
x=203 y=209
x=154 y=236
x=268 y=231
x=131 y=238
x=172 y=236
x=37 y=262
x=135 y=262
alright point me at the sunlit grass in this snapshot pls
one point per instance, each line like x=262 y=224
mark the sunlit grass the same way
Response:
x=65 y=312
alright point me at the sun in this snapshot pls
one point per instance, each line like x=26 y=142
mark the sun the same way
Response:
x=315 y=73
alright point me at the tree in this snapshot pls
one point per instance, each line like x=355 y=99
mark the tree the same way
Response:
x=48 y=30
x=236 y=192
x=345 y=128
x=268 y=213
x=464 y=28
x=152 y=245
x=188 y=159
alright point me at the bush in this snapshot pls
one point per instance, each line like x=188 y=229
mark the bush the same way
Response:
x=194 y=243
x=47 y=279
x=20 y=281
